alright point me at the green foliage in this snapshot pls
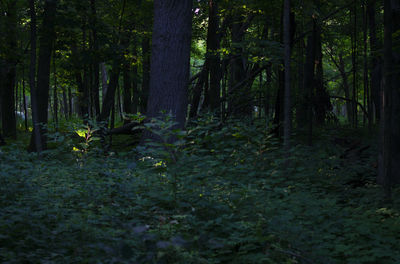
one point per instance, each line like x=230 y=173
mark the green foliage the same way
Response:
x=219 y=194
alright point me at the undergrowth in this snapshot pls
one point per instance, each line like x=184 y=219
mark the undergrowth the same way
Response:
x=219 y=194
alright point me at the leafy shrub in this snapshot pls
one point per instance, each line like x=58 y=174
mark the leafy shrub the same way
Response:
x=220 y=194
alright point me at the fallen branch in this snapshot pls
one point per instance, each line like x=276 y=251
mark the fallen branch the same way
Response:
x=127 y=129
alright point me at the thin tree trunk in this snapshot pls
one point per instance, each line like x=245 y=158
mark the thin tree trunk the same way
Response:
x=196 y=93
x=55 y=95
x=287 y=94
x=366 y=99
x=322 y=101
x=104 y=81
x=65 y=102
x=24 y=99
x=127 y=86
x=354 y=62
x=96 y=75
x=37 y=146
x=346 y=87
x=144 y=95
x=375 y=66
x=214 y=67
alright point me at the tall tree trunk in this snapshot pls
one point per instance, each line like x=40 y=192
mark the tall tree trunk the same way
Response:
x=239 y=99
x=169 y=77
x=77 y=63
x=366 y=99
x=65 y=102
x=46 y=41
x=109 y=98
x=309 y=81
x=389 y=155
x=9 y=77
x=37 y=140
x=196 y=93
x=144 y=95
x=127 y=84
x=287 y=94
x=322 y=101
x=354 y=63
x=384 y=172
x=96 y=63
x=395 y=115
x=104 y=81
x=135 y=83
x=305 y=113
x=25 y=107
x=346 y=87
x=55 y=95
x=85 y=73
x=375 y=65
x=214 y=67
x=300 y=113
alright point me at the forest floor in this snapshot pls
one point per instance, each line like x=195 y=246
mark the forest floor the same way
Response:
x=221 y=195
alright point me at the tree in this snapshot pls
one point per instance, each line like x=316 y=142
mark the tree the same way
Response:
x=213 y=57
x=389 y=155
x=8 y=64
x=46 y=42
x=169 y=70
x=287 y=107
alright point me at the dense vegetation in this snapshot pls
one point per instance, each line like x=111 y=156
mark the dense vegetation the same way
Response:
x=199 y=131
x=216 y=196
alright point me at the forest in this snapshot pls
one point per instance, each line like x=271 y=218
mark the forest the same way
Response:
x=200 y=131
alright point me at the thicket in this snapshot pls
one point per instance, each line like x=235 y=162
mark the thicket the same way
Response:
x=219 y=194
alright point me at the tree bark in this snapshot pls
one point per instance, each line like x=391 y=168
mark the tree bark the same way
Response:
x=287 y=94
x=32 y=81
x=389 y=154
x=9 y=72
x=214 y=67
x=375 y=64
x=322 y=102
x=239 y=100
x=169 y=74
x=96 y=63
x=144 y=95
x=46 y=40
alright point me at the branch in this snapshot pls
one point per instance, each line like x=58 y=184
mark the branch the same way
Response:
x=350 y=100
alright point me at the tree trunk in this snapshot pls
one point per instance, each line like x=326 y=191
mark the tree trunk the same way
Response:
x=322 y=101
x=239 y=99
x=196 y=93
x=346 y=87
x=135 y=83
x=395 y=115
x=109 y=98
x=144 y=95
x=96 y=63
x=389 y=154
x=375 y=65
x=37 y=142
x=170 y=58
x=366 y=99
x=305 y=107
x=55 y=95
x=9 y=74
x=354 y=63
x=127 y=88
x=287 y=94
x=214 y=67
x=46 y=40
